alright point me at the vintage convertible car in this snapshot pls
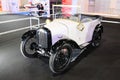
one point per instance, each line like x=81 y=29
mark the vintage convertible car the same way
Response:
x=62 y=39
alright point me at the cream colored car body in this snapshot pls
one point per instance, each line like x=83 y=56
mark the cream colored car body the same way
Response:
x=78 y=31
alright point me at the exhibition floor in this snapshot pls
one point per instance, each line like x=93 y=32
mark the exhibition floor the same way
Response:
x=102 y=63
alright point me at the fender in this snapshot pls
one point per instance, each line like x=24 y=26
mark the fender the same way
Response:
x=30 y=33
x=63 y=41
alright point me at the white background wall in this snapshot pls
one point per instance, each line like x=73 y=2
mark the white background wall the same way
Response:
x=102 y=6
x=10 y=5
x=5 y=5
x=107 y=6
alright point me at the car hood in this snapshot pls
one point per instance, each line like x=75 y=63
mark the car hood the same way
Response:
x=58 y=30
x=56 y=26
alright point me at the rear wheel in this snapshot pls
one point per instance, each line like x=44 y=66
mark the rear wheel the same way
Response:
x=96 y=37
x=61 y=59
x=28 y=47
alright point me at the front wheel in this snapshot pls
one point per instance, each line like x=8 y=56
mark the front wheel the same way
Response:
x=28 y=47
x=61 y=59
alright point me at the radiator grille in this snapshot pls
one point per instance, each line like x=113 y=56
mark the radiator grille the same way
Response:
x=43 y=43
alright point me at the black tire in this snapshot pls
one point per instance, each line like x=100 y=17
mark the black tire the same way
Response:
x=60 y=61
x=27 y=47
x=96 y=40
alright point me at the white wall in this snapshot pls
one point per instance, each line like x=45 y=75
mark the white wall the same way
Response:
x=5 y=5
x=10 y=5
x=117 y=8
x=14 y=6
x=83 y=4
x=107 y=6
x=102 y=6
x=23 y=2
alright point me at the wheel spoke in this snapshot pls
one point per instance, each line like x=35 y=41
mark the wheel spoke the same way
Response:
x=29 y=45
x=62 y=58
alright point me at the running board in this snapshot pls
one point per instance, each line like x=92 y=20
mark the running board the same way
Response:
x=84 y=45
x=77 y=52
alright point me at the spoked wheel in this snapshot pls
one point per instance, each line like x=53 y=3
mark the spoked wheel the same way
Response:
x=96 y=38
x=61 y=59
x=28 y=47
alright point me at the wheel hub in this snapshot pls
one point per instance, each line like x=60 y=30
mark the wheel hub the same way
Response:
x=62 y=58
x=33 y=46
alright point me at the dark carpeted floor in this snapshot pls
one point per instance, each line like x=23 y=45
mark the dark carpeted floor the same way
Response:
x=102 y=63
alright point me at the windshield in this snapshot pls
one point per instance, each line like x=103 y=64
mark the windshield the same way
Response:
x=75 y=17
